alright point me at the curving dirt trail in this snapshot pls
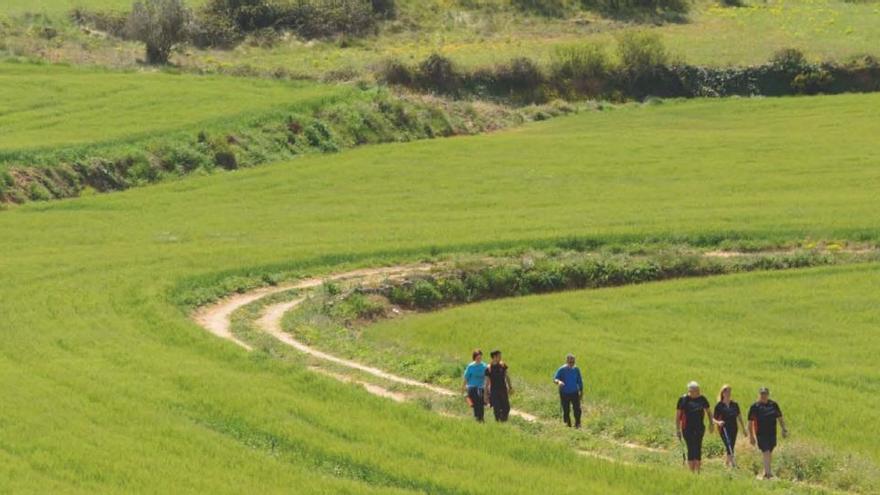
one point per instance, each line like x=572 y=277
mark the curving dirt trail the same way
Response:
x=216 y=319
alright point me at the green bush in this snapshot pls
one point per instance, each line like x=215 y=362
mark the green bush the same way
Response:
x=789 y=60
x=627 y=8
x=438 y=73
x=160 y=25
x=547 y=8
x=426 y=295
x=641 y=51
x=521 y=80
x=320 y=136
x=580 y=70
x=394 y=71
x=812 y=82
x=385 y=8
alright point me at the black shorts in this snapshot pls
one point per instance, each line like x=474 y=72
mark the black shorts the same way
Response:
x=694 y=441
x=766 y=443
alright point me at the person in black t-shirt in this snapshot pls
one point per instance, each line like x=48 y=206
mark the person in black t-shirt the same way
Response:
x=690 y=412
x=763 y=416
x=727 y=415
x=500 y=387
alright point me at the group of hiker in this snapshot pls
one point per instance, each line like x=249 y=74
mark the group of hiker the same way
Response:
x=490 y=385
x=692 y=411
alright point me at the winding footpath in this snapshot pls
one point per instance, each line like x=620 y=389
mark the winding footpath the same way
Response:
x=216 y=318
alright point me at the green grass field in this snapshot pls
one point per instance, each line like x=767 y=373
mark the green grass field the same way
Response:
x=52 y=106
x=109 y=387
x=811 y=336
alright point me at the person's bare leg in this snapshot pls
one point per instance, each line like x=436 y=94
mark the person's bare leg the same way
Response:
x=768 y=456
x=697 y=466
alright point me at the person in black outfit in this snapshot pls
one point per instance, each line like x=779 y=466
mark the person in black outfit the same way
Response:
x=726 y=416
x=690 y=411
x=500 y=387
x=763 y=416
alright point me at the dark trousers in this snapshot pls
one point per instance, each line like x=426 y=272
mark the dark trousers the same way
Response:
x=731 y=431
x=475 y=394
x=500 y=405
x=571 y=401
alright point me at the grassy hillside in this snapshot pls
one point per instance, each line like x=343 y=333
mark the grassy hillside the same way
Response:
x=810 y=336
x=52 y=106
x=110 y=388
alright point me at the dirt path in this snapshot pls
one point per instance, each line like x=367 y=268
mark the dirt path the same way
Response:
x=216 y=319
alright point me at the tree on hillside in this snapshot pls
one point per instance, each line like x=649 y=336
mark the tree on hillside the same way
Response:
x=159 y=24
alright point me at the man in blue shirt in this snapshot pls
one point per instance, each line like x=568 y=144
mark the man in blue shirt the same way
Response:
x=571 y=390
x=474 y=384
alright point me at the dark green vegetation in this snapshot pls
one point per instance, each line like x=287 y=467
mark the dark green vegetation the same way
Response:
x=642 y=68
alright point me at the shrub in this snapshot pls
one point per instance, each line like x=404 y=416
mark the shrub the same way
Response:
x=638 y=7
x=393 y=71
x=213 y=31
x=243 y=15
x=641 y=51
x=320 y=136
x=159 y=24
x=520 y=79
x=328 y=17
x=580 y=69
x=438 y=73
x=789 y=60
x=812 y=82
x=548 y=8
x=38 y=192
x=426 y=295
x=385 y=8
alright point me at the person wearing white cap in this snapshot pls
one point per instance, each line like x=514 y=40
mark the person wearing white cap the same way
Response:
x=690 y=412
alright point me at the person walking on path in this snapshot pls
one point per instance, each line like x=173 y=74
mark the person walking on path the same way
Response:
x=474 y=384
x=571 y=390
x=690 y=412
x=763 y=416
x=499 y=386
x=727 y=414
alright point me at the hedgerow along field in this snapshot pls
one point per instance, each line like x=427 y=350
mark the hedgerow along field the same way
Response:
x=810 y=335
x=475 y=34
x=111 y=388
x=51 y=107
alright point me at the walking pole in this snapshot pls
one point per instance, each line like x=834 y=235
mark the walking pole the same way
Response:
x=729 y=446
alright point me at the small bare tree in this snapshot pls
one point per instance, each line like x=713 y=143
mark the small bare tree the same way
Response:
x=159 y=24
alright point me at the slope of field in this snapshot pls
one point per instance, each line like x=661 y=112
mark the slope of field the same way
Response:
x=811 y=336
x=51 y=106
x=108 y=387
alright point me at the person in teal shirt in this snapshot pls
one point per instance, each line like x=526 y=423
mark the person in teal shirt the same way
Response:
x=474 y=384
